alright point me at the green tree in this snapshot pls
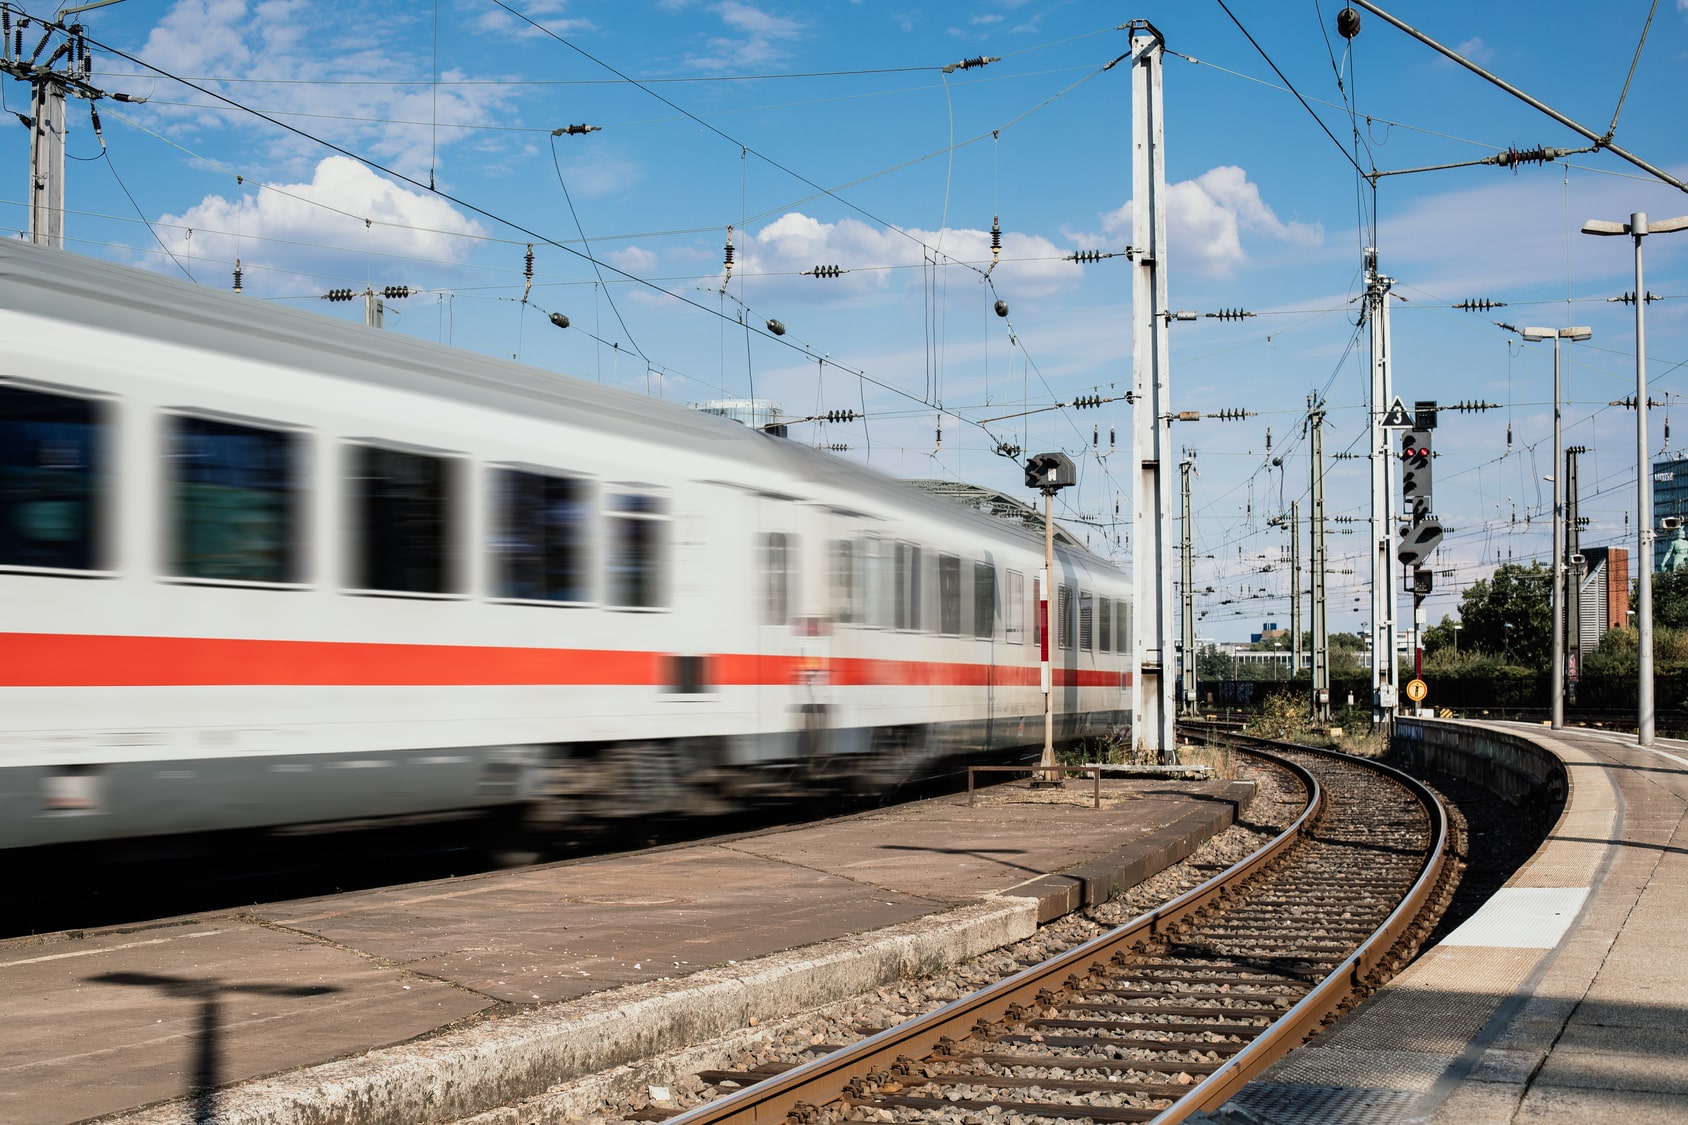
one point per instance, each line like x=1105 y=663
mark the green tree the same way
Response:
x=1507 y=614
x=1670 y=600
x=1211 y=664
x=1440 y=637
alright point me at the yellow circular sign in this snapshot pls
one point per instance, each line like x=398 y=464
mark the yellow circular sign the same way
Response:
x=1416 y=691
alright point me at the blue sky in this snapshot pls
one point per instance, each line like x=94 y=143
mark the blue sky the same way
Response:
x=828 y=133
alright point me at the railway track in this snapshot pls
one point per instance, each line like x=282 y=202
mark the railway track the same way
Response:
x=1172 y=1012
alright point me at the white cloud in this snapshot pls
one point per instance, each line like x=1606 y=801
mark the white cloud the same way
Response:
x=548 y=14
x=328 y=70
x=311 y=227
x=1206 y=218
x=636 y=260
x=755 y=38
x=881 y=260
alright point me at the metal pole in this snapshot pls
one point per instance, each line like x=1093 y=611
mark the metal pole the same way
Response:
x=1154 y=718
x=1187 y=567
x=1573 y=575
x=1047 y=764
x=1321 y=625
x=46 y=161
x=1643 y=502
x=1294 y=588
x=1384 y=694
x=1556 y=712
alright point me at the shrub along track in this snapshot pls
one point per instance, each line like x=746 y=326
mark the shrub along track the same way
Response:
x=1174 y=1011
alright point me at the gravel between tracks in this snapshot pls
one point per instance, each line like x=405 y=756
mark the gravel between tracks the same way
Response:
x=671 y=1085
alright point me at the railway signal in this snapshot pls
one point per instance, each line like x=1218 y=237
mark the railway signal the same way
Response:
x=1048 y=473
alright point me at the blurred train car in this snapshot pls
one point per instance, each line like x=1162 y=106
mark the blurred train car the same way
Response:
x=261 y=568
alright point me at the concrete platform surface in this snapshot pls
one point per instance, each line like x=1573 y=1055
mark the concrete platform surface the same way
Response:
x=429 y=1002
x=1562 y=1001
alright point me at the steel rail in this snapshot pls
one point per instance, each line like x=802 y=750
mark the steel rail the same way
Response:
x=820 y=1081
x=1349 y=977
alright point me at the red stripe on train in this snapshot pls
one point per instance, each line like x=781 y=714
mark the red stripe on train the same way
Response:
x=77 y=660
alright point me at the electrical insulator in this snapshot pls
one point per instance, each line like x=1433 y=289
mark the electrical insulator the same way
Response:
x=1228 y=314
x=1084 y=256
x=395 y=292
x=575 y=130
x=1083 y=402
x=527 y=271
x=841 y=415
x=728 y=261
x=1095 y=437
x=1001 y=308
x=339 y=295
x=970 y=64
x=1629 y=298
x=237 y=275
x=996 y=238
x=1479 y=304
x=1110 y=439
x=1348 y=23
x=826 y=271
x=776 y=328
x=559 y=320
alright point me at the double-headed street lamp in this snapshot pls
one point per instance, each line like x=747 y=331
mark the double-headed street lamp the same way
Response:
x=1557 y=711
x=1638 y=228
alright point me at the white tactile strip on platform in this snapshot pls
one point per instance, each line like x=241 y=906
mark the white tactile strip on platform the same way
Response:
x=1521 y=918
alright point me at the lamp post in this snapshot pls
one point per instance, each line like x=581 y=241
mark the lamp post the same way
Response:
x=1457 y=628
x=1556 y=710
x=1638 y=228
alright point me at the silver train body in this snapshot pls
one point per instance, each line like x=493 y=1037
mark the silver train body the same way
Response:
x=263 y=568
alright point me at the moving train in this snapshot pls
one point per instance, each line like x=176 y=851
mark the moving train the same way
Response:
x=262 y=568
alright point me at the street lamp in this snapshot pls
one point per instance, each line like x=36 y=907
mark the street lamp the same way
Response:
x=1556 y=711
x=1457 y=628
x=1638 y=228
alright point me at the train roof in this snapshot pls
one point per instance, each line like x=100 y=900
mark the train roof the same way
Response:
x=58 y=285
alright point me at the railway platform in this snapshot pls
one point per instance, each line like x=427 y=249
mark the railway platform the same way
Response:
x=1564 y=999
x=430 y=1002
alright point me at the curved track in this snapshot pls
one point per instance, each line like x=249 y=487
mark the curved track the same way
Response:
x=1174 y=1011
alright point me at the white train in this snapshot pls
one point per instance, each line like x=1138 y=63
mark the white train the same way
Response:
x=259 y=568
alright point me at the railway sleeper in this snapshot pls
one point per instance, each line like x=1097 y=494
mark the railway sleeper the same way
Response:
x=1033 y=1109
x=1219 y=1046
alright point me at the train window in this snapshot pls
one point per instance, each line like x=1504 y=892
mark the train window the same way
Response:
x=779 y=570
x=234 y=501
x=846 y=590
x=52 y=480
x=541 y=536
x=1014 y=605
x=403 y=508
x=1104 y=624
x=984 y=600
x=636 y=543
x=1122 y=625
x=1086 y=621
x=876 y=581
x=1064 y=617
x=907 y=587
x=949 y=595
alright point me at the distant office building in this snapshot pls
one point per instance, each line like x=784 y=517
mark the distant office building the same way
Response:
x=1670 y=498
x=1603 y=594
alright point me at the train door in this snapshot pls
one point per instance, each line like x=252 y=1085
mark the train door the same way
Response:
x=779 y=577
